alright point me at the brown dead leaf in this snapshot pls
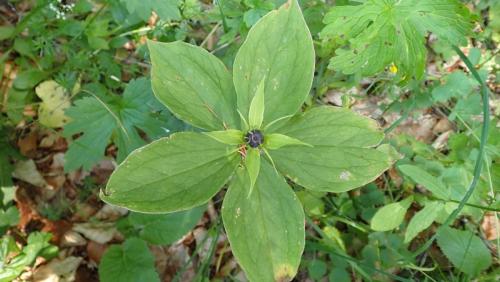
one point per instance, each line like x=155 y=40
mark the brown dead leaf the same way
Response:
x=72 y=239
x=491 y=226
x=28 y=172
x=110 y=213
x=100 y=232
x=95 y=251
x=58 y=270
x=28 y=143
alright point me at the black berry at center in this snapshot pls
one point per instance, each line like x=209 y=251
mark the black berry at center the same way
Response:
x=254 y=138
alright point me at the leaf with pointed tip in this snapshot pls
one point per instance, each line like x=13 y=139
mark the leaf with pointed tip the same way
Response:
x=275 y=141
x=193 y=84
x=257 y=107
x=171 y=174
x=330 y=168
x=252 y=164
x=341 y=158
x=390 y=216
x=430 y=182
x=332 y=126
x=266 y=231
x=229 y=137
x=423 y=219
x=280 y=49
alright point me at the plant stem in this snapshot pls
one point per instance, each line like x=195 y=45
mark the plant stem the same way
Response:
x=479 y=160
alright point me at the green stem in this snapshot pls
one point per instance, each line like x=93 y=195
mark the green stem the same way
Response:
x=479 y=160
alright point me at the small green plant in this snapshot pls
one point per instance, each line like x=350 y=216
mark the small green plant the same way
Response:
x=252 y=138
x=14 y=260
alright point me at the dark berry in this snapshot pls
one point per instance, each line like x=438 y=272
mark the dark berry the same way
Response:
x=254 y=138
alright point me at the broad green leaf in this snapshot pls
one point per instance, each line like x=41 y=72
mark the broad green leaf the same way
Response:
x=390 y=216
x=464 y=249
x=172 y=174
x=165 y=9
x=164 y=229
x=252 y=164
x=28 y=79
x=266 y=230
x=229 y=137
x=332 y=126
x=331 y=168
x=193 y=84
x=317 y=269
x=54 y=102
x=423 y=219
x=130 y=262
x=275 y=141
x=425 y=179
x=257 y=107
x=382 y=32
x=278 y=48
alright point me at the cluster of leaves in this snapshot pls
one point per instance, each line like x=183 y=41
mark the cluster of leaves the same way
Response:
x=13 y=260
x=72 y=71
x=132 y=260
x=384 y=32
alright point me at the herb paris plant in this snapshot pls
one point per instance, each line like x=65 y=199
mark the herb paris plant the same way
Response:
x=253 y=141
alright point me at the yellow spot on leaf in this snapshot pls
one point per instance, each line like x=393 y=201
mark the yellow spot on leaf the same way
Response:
x=393 y=69
x=284 y=272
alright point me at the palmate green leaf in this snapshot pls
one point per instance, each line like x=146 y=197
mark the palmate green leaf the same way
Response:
x=193 y=84
x=115 y=119
x=341 y=158
x=390 y=216
x=381 y=32
x=465 y=250
x=278 y=48
x=164 y=229
x=130 y=262
x=423 y=219
x=266 y=231
x=172 y=174
x=430 y=182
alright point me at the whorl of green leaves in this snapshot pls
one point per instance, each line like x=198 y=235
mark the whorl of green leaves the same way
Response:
x=324 y=149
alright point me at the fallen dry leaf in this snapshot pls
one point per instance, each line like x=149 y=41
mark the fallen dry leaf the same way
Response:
x=28 y=172
x=72 y=239
x=491 y=226
x=95 y=251
x=28 y=143
x=110 y=213
x=58 y=270
x=100 y=232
